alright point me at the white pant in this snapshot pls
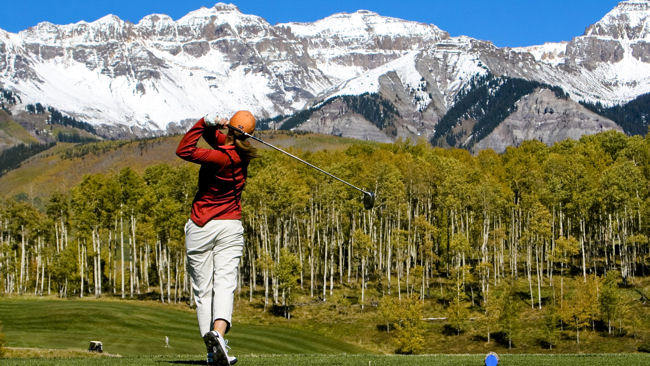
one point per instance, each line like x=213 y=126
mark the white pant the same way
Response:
x=213 y=253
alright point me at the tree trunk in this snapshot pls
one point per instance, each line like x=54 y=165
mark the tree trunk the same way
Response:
x=38 y=264
x=131 y=269
x=389 y=247
x=22 y=259
x=43 y=271
x=147 y=254
x=325 y=268
x=363 y=281
x=169 y=277
x=582 y=249
x=122 y=252
x=81 y=268
x=159 y=264
x=530 y=280
x=134 y=257
x=539 y=277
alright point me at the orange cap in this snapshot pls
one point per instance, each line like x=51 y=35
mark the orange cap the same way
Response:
x=243 y=120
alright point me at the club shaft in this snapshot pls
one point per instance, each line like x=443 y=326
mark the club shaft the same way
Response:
x=297 y=158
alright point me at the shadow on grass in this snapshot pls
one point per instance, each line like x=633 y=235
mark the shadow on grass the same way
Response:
x=183 y=362
x=449 y=330
x=502 y=339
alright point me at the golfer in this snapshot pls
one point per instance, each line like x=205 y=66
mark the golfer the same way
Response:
x=214 y=234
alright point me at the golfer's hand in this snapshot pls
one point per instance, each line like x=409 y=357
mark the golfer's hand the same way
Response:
x=221 y=122
x=213 y=120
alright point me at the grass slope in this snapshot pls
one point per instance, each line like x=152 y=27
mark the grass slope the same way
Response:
x=132 y=328
x=51 y=171
x=12 y=133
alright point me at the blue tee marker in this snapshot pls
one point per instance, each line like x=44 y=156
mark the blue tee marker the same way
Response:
x=492 y=359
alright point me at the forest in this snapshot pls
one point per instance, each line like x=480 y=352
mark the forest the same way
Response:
x=448 y=227
x=371 y=106
x=632 y=116
x=13 y=156
x=489 y=100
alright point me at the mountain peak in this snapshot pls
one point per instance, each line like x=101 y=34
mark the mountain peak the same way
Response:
x=628 y=20
x=365 y=24
x=108 y=20
x=155 y=18
x=358 y=13
x=217 y=9
x=363 y=11
x=226 y=7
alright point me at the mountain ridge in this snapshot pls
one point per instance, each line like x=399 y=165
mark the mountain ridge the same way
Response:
x=158 y=75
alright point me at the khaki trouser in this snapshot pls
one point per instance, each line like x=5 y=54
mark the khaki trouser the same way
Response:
x=213 y=254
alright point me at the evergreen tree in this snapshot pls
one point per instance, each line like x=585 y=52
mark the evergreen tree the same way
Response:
x=12 y=157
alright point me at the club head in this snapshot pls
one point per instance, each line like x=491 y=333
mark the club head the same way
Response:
x=368 y=200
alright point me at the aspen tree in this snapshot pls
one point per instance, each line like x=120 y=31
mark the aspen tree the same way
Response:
x=288 y=272
x=409 y=333
x=509 y=313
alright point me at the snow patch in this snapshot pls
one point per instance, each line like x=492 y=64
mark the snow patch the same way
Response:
x=549 y=53
x=361 y=25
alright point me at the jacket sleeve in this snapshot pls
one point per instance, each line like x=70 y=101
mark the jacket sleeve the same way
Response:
x=187 y=149
x=213 y=136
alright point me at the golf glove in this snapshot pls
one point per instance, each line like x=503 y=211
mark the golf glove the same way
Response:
x=212 y=120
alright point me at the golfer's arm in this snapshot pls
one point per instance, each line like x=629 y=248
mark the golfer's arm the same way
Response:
x=214 y=137
x=187 y=149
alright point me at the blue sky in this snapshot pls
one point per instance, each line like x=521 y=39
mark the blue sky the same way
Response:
x=505 y=22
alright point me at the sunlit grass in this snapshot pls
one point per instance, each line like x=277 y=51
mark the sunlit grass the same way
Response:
x=139 y=328
x=352 y=360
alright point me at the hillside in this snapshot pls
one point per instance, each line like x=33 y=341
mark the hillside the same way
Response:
x=63 y=166
x=633 y=116
x=12 y=133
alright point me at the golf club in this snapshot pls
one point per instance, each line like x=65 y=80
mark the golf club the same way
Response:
x=368 y=197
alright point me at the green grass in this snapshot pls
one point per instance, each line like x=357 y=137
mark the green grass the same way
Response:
x=361 y=360
x=46 y=331
x=132 y=328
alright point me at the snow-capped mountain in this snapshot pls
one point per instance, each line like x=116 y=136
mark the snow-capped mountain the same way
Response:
x=160 y=71
x=609 y=63
x=151 y=76
x=344 y=46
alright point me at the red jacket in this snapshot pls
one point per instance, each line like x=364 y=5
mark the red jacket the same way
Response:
x=221 y=178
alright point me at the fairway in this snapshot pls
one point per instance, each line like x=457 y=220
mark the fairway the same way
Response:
x=134 y=332
x=131 y=328
x=360 y=360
